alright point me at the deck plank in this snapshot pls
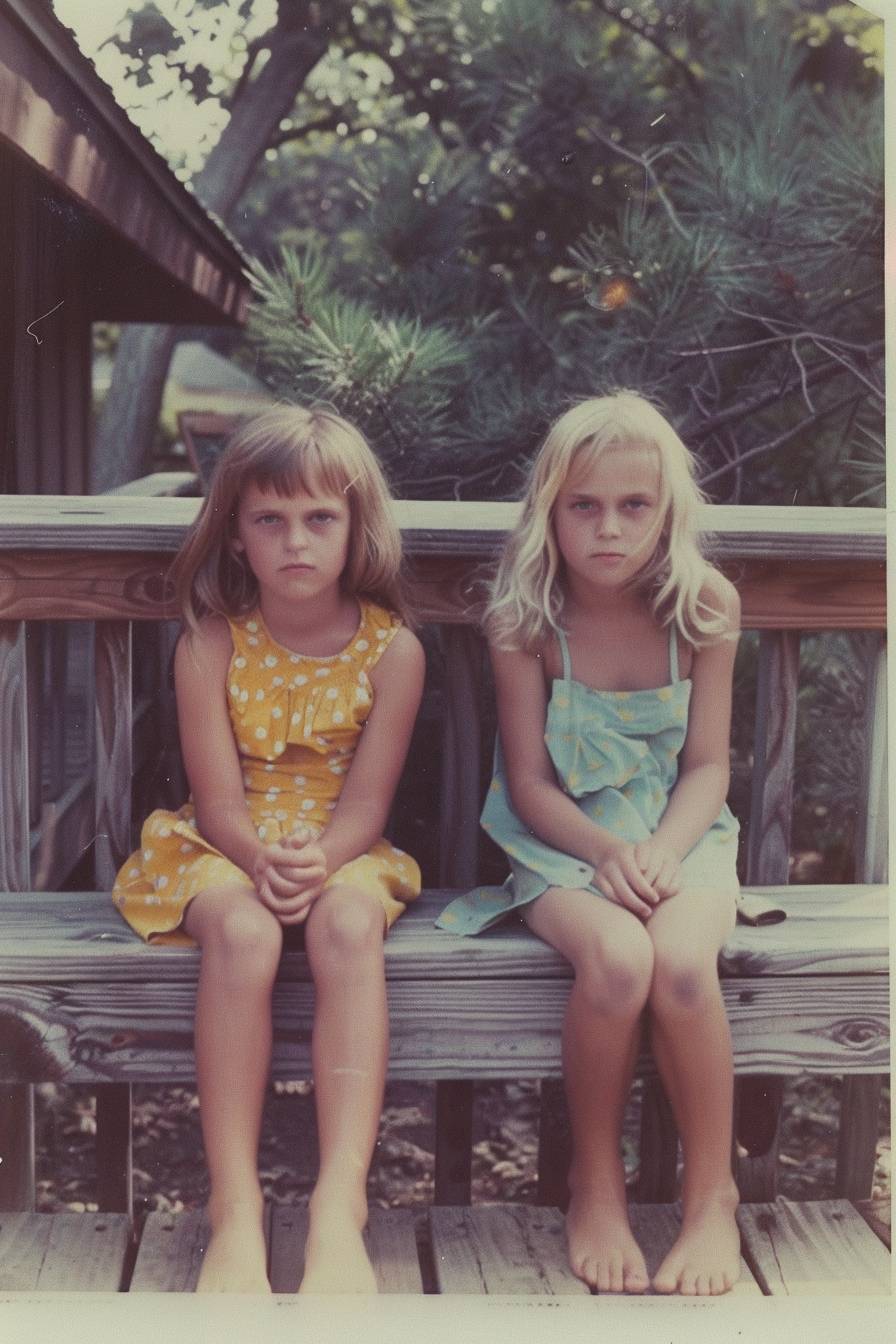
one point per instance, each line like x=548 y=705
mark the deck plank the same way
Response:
x=824 y=1248
x=84 y=1252
x=502 y=1248
x=656 y=1227
x=170 y=1252
x=24 y=1238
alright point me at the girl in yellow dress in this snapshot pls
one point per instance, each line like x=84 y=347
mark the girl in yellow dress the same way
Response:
x=297 y=687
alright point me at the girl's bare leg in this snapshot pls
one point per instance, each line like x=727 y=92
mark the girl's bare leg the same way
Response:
x=692 y=1047
x=612 y=957
x=350 y=1046
x=241 y=943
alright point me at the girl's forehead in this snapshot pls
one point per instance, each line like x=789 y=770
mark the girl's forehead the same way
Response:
x=270 y=492
x=619 y=466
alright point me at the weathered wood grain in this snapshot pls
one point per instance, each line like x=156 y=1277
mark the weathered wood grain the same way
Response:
x=14 y=849
x=758 y=1101
x=63 y=1252
x=170 y=1252
x=818 y=1248
x=114 y=738
x=502 y=1249
x=461 y=757
x=796 y=568
x=50 y=936
x=132 y=585
x=768 y=853
x=142 y=1032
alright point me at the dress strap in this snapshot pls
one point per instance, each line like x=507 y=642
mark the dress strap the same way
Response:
x=673 y=652
x=564 y=654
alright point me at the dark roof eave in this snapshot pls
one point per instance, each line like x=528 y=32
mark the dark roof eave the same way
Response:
x=99 y=158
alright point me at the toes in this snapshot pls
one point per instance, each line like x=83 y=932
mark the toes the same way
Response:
x=585 y=1267
x=635 y=1281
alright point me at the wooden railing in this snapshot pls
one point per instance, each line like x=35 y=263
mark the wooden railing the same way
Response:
x=103 y=560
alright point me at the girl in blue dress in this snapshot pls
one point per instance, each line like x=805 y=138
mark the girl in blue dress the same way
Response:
x=613 y=645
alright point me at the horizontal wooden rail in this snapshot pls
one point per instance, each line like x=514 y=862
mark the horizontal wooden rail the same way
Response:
x=66 y=557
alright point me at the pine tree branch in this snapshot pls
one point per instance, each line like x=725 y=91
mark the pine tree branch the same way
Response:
x=732 y=415
x=771 y=444
x=642 y=28
x=646 y=163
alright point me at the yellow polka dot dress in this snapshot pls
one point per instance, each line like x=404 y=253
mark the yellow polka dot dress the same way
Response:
x=297 y=721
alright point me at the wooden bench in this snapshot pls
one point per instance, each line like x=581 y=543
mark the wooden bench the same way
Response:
x=82 y=1000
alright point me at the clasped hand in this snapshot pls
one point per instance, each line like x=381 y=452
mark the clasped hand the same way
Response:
x=289 y=876
x=638 y=876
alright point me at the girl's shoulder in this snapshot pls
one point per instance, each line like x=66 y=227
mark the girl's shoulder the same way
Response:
x=206 y=648
x=719 y=595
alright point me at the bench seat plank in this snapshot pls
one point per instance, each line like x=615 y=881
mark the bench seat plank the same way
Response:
x=813 y=1248
x=142 y=1032
x=42 y=933
x=63 y=1252
x=502 y=1248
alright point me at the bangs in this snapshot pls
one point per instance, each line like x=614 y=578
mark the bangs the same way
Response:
x=313 y=470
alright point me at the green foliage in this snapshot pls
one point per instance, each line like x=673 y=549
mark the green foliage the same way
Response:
x=522 y=202
x=582 y=200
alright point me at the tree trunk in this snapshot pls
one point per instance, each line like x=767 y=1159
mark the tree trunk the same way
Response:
x=129 y=417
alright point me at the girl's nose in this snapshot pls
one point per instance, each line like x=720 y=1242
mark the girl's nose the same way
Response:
x=608 y=525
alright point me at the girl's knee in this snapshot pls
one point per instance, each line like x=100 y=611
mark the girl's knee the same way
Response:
x=685 y=979
x=615 y=974
x=241 y=933
x=345 y=923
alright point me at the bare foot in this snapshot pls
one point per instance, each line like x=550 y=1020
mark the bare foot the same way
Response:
x=235 y=1259
x=602 y=1250
x=705 y=1260
x=336 y=1259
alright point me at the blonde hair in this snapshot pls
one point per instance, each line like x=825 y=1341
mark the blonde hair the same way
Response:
x=526 y=601
x=290 y=449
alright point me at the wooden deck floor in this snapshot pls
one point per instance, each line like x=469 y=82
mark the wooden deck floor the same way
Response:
x=806 y=1249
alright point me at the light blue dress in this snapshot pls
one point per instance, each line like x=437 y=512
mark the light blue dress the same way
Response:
x=615 y=753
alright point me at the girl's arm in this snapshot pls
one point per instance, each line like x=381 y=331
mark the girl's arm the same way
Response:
x=360 y=815
x=537 y=797
x=212 y=763
x=704 y=764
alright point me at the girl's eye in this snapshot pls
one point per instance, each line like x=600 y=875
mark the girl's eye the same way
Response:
x=269 y=518
x=322 y=517
x=582 y=505
x=635 y=504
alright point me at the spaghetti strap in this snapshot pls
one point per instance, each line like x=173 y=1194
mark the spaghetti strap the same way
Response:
x=564 y=654
x=673 y=653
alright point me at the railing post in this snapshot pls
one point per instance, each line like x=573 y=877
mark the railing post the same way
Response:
x=458 y=866
x=759 y=1099
x=114 y=737
x=17 y=1189
x=860 y=1097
